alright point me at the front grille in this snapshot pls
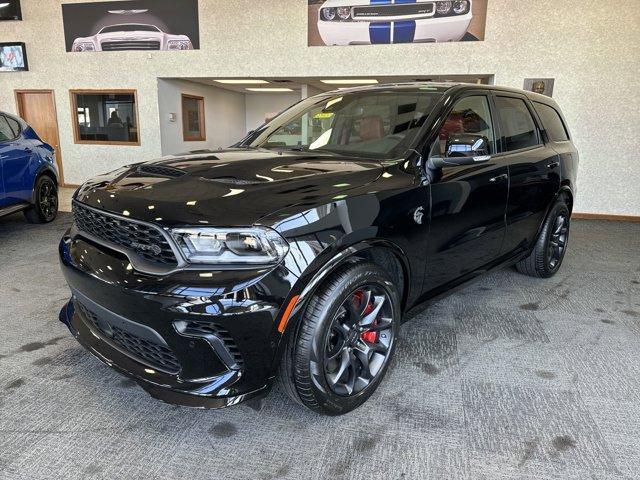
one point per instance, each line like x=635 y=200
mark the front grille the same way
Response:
x=153 y=354
x=146 y=241
x=395 y=10
x=130 y=45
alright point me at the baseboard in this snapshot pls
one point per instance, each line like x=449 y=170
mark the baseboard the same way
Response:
x=604 y=216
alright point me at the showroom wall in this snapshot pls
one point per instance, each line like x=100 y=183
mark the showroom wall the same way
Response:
x=224 y=116
x=588 y=47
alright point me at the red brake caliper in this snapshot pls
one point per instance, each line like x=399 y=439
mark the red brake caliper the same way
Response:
x=369 y=337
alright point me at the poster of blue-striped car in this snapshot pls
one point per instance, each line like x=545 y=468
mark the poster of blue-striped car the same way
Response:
x=369 y=22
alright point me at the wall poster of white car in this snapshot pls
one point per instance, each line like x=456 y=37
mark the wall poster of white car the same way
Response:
x=131 y=25
x=370 y=22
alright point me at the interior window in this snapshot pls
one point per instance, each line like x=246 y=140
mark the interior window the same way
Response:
x=470 y=116
x=6 y=132
x=552 y=122
x=518 y=127
x=106 y=117
x=193 y=118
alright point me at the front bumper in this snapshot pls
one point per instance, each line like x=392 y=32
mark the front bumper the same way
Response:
x=194 y=338
x=441 y=29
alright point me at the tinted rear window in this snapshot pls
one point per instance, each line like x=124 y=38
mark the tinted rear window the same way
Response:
x=552 y=122
x=518 y=127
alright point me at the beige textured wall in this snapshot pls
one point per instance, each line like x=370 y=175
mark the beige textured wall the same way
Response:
x=591 y=48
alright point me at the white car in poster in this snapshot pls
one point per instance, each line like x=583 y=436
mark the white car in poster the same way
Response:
x=365 y=22
x=131 y=36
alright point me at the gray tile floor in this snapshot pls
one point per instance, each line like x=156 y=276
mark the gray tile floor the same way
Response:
x=511 y=377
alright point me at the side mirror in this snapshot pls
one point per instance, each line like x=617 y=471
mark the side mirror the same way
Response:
x=463 y=149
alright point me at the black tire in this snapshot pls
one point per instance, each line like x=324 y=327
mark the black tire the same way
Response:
x=45 y=208
x=307 y=359
x=547 y=255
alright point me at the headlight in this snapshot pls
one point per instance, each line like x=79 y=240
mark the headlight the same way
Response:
x=179 y=45
x=344 y=13
x=252 y=245
x=443 y=8
x=328 y=14
x=460 y=7
x=84 y=47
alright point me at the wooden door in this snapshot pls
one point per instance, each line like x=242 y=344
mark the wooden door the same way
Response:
x=38 y=109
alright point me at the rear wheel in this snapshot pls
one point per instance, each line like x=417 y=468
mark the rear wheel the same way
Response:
x=45 y=208
x=551 y=246
x=345 y=341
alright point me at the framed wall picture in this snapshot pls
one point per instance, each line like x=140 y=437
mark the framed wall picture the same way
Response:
x=10 y=10
x=543 y=86
x=372 y=22
x=131 y=25
x=13 y=57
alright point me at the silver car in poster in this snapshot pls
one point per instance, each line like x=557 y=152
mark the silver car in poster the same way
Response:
x=131 y=36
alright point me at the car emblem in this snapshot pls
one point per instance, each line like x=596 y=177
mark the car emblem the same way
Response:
x=155 y=249
x=418 y=215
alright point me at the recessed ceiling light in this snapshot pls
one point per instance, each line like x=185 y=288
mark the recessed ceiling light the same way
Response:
x=270 y=89
x=245 y=81
x=351 y=81
x=4 y=4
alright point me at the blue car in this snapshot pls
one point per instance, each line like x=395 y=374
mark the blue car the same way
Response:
x=28 y=173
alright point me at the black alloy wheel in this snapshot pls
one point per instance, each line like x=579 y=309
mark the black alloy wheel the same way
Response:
x=341 y=348
x=45 y=208
x=558 y=241
x=551 y=246
x=359 y=340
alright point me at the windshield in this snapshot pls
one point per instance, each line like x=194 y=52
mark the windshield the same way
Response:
x=131 y=27
x=377 y=123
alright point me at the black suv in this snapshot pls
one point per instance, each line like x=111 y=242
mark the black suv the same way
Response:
x=296 y=253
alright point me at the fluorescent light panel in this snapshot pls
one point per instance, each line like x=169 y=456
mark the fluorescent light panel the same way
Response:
x=270 y=90
x=351 y=81
x=245 y=81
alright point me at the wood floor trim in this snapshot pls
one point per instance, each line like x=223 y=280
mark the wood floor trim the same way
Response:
x=604 y=216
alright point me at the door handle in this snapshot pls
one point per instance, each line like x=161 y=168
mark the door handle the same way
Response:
x=553 y=164
x=499 y=178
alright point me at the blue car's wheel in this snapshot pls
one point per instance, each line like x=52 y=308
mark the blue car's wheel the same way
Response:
x=45 y=208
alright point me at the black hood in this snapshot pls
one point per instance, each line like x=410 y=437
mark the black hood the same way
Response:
x=231 y=187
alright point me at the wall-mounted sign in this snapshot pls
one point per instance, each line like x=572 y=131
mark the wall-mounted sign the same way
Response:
x=131 y=25
x=368 y=22
x=540 y=85
x=10 y=10
x=13 y=57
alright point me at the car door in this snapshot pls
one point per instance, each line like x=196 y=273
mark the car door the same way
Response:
x=534 y=171
x=15 y=156
x=468 y=202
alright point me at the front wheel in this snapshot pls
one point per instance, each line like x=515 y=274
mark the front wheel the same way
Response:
x=345 y=341
x=551 y=246
x=45 y=209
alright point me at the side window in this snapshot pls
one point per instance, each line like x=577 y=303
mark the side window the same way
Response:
x=552 y=122
x=6 y=132
x=470 y=116
x=518 y=127
x=15 y=126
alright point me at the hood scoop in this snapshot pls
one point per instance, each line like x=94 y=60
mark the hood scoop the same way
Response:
x=232 y=181
x=161 y=171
